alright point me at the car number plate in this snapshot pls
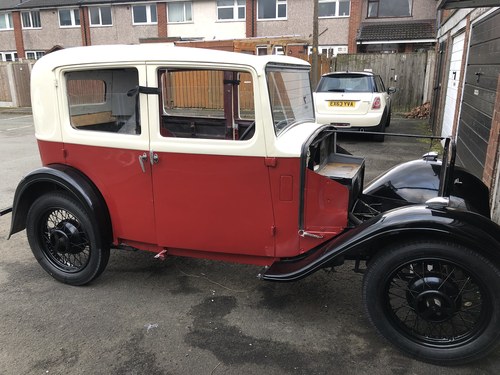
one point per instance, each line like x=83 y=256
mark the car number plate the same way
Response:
x=340 y=103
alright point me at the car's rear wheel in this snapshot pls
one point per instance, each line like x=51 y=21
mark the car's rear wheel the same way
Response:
x=64 y=239
x=380 y=137
x=437 y=301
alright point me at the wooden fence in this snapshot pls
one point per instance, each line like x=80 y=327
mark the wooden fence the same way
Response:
x=411 y=73
x=15 y=84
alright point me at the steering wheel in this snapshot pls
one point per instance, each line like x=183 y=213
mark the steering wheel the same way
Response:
x=247 y=131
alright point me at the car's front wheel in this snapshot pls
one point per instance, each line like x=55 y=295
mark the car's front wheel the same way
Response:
x=64 y=239
x=437 y=301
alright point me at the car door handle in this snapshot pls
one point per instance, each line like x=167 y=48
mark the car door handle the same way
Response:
x=153 y=157
x=142 y=159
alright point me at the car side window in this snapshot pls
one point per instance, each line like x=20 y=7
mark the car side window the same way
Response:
x=207 y=104
x=104 y=100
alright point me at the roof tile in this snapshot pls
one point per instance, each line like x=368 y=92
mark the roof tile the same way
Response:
x=396 y=31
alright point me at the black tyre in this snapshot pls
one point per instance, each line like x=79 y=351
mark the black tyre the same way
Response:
x=388 y=121
x=64 y=239
x=379 y=137
x=437 y=301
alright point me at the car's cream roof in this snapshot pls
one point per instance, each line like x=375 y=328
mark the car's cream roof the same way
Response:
x=155 y=52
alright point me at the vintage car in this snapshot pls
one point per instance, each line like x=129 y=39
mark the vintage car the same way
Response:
x=211 y=154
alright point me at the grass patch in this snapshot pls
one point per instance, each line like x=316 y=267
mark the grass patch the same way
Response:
x=433 y=145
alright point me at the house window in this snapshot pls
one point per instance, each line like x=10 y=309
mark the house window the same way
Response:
x=8 y=56
x=34 y=55
x=100 y=16
x=230 y=9
x=261 y=50
x=69 y=17
x=271 y=9
x=31 y=20
x=144 y=14
x=180 y=12
x=389 y=8
x=334 y=8
x=6 y=21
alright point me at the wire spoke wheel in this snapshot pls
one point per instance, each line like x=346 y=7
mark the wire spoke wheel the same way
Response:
x=437 y=301
x=65 y=240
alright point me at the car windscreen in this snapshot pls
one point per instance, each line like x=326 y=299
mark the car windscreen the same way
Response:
x=346 y=83
x=290 y=95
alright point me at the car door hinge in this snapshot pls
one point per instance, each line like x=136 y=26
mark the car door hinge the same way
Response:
x=271 y=162
x=273 y=230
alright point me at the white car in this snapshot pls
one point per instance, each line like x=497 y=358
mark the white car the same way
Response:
x=356 y=100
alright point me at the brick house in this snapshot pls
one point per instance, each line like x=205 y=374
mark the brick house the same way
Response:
x=28 y=28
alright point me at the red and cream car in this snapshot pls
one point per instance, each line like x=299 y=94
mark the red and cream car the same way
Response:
x=210 y=154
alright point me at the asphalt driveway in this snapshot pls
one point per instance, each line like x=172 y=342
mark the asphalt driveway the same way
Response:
x=190 y=316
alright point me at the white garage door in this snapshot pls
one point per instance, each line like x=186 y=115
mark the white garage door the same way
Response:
x=457 y=52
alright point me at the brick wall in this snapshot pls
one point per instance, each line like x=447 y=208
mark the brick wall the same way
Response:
x=251 y=19
x=492 y=153
x=85 y=26
x=354 y=22
x=162 y=20
x=18 y=34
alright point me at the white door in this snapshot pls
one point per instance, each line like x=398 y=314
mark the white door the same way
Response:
x=457 y=52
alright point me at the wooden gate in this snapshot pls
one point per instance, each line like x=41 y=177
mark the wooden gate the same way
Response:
x=21 y=73
x=15 y=84
x=407 y=72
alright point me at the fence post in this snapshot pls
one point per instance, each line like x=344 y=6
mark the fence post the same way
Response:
x=12 y=86
x=429 y=76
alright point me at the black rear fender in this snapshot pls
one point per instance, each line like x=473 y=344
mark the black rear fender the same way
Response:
x=62 y=178
x=398 y=225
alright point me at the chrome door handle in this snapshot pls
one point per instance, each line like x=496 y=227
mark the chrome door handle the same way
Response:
x=142 y=159
x=153 y=157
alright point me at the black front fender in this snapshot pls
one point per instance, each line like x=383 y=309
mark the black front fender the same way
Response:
x=63 y=178
x=401 y=224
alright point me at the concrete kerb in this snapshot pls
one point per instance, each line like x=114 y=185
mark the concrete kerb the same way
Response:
x=16 y=110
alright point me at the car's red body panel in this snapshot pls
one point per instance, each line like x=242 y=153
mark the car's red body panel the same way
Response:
x=253 y=202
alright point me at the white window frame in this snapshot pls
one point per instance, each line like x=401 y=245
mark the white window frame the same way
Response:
x=8 y=21
x=372 y=3
x=337 y=8
x=72 y=16
x=336 y=49
x=36 y=55
x=100 y=24
x=3 y=56
x=184 y=3
x=33 y=15
x=235 y=7
x=149 y=20
x=278 y=3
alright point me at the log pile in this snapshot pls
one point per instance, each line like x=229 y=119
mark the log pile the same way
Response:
x=421 y=112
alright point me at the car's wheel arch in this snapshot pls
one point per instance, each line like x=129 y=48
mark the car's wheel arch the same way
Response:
x=60 y=177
